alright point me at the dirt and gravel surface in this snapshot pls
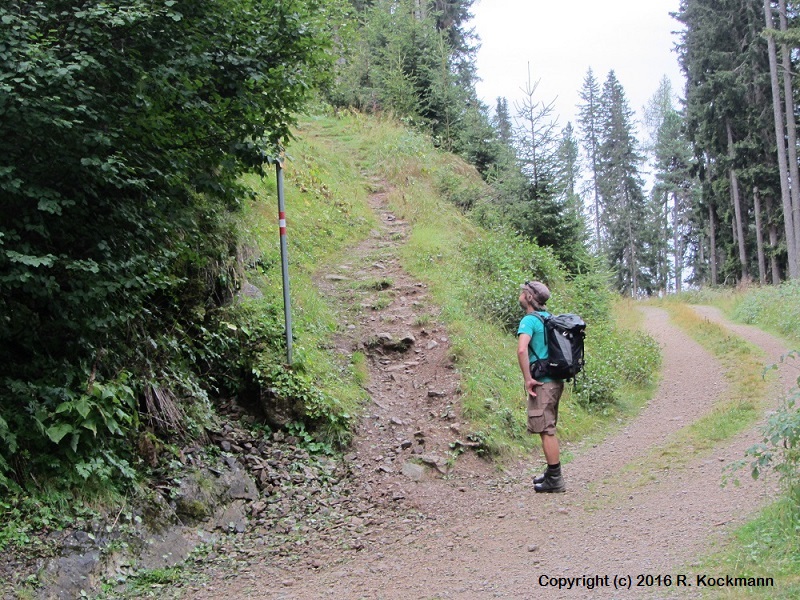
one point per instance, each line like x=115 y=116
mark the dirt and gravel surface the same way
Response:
x=431 y=527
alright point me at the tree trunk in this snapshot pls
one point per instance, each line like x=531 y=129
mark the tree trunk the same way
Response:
x=712 y=244
x=762 y=263
x=677 y=243
x=780 y=140
x=773 y=243
x=737 y=205
x=791 y=133
x=419 y=10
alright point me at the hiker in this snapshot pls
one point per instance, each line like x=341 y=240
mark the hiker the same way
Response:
x=544 y=392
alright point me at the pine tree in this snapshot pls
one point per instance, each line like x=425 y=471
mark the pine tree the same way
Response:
x=535 y=135
x=620 y=187
x=675 y=185
x=725 y=57
x=502 y=122
x=588 y=123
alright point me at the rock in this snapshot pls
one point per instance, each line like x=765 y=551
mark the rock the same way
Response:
x=241 y=486
x=248 y=290
x=67 y=576
x=435 y=394
x=232 y=518
x=413 y=471
x=279 y=411
x=168 y=549
x=388 y=342
x=439 y=463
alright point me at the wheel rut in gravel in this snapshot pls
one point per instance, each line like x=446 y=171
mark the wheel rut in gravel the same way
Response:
x=471 y=531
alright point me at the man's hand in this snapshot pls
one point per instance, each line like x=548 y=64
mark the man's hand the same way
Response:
x=531 y=386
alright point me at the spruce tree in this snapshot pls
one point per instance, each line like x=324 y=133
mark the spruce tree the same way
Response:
x=620 y=186
x=588 y=123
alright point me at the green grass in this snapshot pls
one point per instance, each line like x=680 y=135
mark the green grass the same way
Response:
x=326 y=213
x=767 y=546
x=775 y=309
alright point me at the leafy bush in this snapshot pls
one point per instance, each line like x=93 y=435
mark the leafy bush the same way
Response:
x=780 y=449
x=459 y=189
x=615 y=358
x=123 y=131
x=500 y=262
x=776 y=308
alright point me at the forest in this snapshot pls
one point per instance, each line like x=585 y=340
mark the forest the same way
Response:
x=130 y=132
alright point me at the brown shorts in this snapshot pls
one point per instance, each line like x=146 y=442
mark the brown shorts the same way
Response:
x=543 y=409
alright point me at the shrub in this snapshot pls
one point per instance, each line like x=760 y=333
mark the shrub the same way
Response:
x=776 y=308
x=780 y=448
x=500 y=262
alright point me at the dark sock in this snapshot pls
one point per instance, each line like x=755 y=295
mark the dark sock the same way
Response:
x=554 y=469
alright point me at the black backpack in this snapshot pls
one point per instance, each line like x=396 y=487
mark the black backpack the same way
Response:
x=564 y=334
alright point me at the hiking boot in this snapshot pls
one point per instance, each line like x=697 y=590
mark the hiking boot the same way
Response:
x=539 y=479
x=551 y=484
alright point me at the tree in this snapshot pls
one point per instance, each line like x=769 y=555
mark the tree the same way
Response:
x=725 y=59
x=535 y=135
x=674 y=183
x=789 y=185
x=502 y=122
x=620 y=187
x=123 y=133
x=588 y=124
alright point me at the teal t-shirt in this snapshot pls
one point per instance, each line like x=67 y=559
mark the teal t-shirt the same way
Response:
x=535 y=328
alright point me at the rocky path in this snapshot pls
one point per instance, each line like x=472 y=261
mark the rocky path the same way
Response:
x=468 y=531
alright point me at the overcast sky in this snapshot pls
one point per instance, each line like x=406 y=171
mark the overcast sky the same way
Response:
x=561 y=40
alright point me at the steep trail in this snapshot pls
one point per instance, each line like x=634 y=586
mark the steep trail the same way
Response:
x=480 y=533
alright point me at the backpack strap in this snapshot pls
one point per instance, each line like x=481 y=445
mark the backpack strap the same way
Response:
x=539 y=316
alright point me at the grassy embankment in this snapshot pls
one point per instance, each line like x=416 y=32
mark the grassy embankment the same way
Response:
x=442 y=252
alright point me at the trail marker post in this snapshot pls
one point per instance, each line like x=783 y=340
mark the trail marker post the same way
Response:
x=287 y=307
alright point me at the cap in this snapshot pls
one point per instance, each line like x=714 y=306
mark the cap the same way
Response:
x=539 y=290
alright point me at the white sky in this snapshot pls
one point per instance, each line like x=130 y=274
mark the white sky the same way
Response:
x=561 y=40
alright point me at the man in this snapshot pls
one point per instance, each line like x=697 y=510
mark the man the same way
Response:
x=544 y=393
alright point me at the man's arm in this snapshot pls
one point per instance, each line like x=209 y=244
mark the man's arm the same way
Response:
x=524 y=364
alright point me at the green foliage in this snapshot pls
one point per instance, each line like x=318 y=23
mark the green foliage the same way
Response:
x=408 y=58
x=780 y=449
x=123 y=131
x=307 y=441
x=615 y=359
x=502 y=261
x=775 y=308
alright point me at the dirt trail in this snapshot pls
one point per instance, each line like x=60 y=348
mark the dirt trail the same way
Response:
x=478 y=533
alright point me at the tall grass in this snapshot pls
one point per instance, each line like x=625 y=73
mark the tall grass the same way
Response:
x=773 y=308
